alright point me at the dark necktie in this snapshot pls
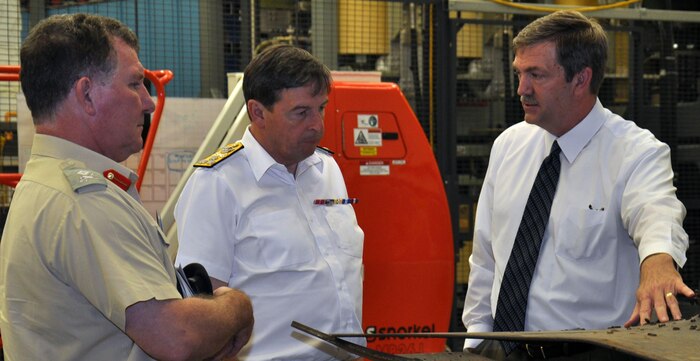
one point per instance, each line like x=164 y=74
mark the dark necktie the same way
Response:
x=515 y=287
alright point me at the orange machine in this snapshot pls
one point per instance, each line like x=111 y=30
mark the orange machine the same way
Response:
x=408 y=255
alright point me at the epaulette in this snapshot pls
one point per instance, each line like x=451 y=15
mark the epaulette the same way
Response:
x=83 y=180
x=324 y=149
x=118 y=179
x=220 y=155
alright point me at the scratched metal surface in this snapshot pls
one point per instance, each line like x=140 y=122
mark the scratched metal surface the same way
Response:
x=671 y=341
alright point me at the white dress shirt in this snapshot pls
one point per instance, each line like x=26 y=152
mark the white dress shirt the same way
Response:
x=615 y=205
x=251 y=223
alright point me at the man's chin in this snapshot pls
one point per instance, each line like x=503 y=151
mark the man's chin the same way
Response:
x=137 y=147
x=311 y=145
x=308 y=151
x=530 y=119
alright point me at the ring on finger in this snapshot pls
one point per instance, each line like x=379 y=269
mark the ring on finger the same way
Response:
x=669 y=294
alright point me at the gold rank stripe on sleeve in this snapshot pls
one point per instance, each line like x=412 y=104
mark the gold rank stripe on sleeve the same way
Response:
x=220 y=155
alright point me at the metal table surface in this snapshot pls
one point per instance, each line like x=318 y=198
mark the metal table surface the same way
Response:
x=670 y=341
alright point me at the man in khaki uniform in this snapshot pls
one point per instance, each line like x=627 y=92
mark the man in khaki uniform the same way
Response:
x=84 y=271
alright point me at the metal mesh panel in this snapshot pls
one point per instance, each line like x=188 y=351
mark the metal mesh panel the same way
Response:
x=203 y=41
x=10 y=29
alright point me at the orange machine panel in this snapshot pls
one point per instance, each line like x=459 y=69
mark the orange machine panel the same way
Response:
x=360 y=140
x=408 y=256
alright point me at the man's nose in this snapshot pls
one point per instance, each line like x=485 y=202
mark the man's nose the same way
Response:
x=148 y=105
x=523 y=86
x=317 y=121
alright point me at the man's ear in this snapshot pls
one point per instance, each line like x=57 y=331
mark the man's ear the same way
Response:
x=82 y=89
x=582 y=80
x=256 y=112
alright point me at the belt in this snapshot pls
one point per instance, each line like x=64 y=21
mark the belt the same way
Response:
x=541 y=351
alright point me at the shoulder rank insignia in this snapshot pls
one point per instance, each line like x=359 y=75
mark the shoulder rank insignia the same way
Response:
x=117 y=178
x=220 y=155
x=325 y=150
x=84 y=180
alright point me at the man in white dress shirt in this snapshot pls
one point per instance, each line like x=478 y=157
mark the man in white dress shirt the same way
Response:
x=614 y=238
x=255 y=214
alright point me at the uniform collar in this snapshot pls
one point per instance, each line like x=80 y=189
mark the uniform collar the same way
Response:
x=55 y=147
x=261 y=161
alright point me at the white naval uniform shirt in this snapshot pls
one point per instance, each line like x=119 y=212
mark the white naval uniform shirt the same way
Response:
x=248 y=221
x=614 y=206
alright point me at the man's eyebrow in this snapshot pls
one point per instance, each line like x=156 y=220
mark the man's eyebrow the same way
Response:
x=526 y=69
x=134 y=76
x=306 y=106
x=301 y=107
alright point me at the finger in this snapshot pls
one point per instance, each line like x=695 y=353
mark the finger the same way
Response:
x=240 y=341
x=644 y=311
x=686 y=291
x=229 y=352
x=237 y=347
x=672 y=304
x=660 y=305
x=634 y=317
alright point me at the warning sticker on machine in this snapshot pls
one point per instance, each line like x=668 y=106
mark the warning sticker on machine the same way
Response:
x=367 y=121
x=374 y=168
x=368 y=151
x=367 y=137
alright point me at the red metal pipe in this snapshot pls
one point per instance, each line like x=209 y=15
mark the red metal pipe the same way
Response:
x=9 y=72
x=159 y=78
x=10 y=179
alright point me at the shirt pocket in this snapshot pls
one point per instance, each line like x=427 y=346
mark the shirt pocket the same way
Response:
x=581 y=233
x=280 y=241
x=349 y=236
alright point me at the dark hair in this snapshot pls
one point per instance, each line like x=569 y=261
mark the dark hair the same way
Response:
x=280 y=67
x=61 y=49
x=581 y=42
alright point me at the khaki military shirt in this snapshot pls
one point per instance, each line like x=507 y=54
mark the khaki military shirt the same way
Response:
x=75 y=253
